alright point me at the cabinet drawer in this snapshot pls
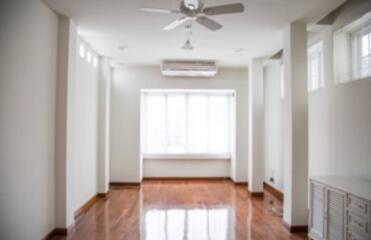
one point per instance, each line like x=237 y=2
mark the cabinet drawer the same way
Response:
x=358 y=225
x=358 y=206
x=317 y=192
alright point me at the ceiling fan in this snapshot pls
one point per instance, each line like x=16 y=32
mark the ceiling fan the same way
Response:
x=195 y=10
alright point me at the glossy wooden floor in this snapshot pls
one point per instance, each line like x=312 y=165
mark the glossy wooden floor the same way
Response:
x=193 y=210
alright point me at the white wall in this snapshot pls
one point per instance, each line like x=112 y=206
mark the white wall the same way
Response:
x=76 y=126
x=125 y=122
x=273 y=162
x=339 y=121
x=82 y=131
x=28 y=46
x=186 y=168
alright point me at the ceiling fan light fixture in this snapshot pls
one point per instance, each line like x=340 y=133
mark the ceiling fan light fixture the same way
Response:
x=188 y=46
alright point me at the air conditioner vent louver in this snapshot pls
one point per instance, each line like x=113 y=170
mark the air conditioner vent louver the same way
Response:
x=189 y=68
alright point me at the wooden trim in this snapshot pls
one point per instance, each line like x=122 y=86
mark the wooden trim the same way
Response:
x=256 y=194
x=60 y=232
x=84 y=208
x=48 y=236
x=295 y=229
x=103 y=195
x=186 y=178
x=274 y=191
x=57 y=232
x=124 y=184
x=244 y=184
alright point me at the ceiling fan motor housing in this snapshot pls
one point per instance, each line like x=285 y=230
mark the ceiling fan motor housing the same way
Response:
x=191 y=4
x=189 y=10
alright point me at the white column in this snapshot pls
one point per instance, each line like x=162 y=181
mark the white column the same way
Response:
x=67 y=33
x=295 y=126
x=255 y=144
x=104 y=96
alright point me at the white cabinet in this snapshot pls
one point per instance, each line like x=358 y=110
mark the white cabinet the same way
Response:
x=339 y=208
x=317 y=206
x=334 y=214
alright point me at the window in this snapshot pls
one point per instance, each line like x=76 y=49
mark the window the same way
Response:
x=362 y=53
x=87 y=54
x=95 y=62
x=82 y=51
x=352 y=50
x=315 y=67
x=88 y=57
x=282 y=80
x=186 y=122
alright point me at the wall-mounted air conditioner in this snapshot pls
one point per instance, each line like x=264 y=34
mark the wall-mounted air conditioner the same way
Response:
x=188 y=68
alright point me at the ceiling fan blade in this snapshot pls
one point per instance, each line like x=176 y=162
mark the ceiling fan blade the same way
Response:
x=159 y=10
x=208 y=23
x=175 y=23
x=224 y=9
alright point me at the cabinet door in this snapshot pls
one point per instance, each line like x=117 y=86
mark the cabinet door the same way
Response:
x=317 y=209
x=335 y=214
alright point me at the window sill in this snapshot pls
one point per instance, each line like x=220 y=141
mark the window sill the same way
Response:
x=226 y=156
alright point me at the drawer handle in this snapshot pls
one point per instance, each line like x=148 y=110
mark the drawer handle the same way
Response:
x=361 y=207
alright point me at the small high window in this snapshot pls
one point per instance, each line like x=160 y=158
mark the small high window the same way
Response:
x=315 y=67
x=352 y=50
x=95 y=62
x=362 y=53
x=82 y=51
x=88 y=57
x=282 y=81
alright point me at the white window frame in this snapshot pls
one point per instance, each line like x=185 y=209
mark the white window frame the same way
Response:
x=187 y=155
x=315 y=52
x=356 y=37
x=282 y=81
x=347 y=50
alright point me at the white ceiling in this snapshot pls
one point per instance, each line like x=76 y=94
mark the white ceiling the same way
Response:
x=108 y=24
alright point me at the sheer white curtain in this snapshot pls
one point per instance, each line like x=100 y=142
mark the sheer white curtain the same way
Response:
x=186 y=122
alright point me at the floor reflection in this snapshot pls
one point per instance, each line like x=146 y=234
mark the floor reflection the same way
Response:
x=183 y=210
x=181 y=224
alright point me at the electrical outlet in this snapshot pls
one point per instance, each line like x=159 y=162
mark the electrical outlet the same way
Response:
x=271 y=179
